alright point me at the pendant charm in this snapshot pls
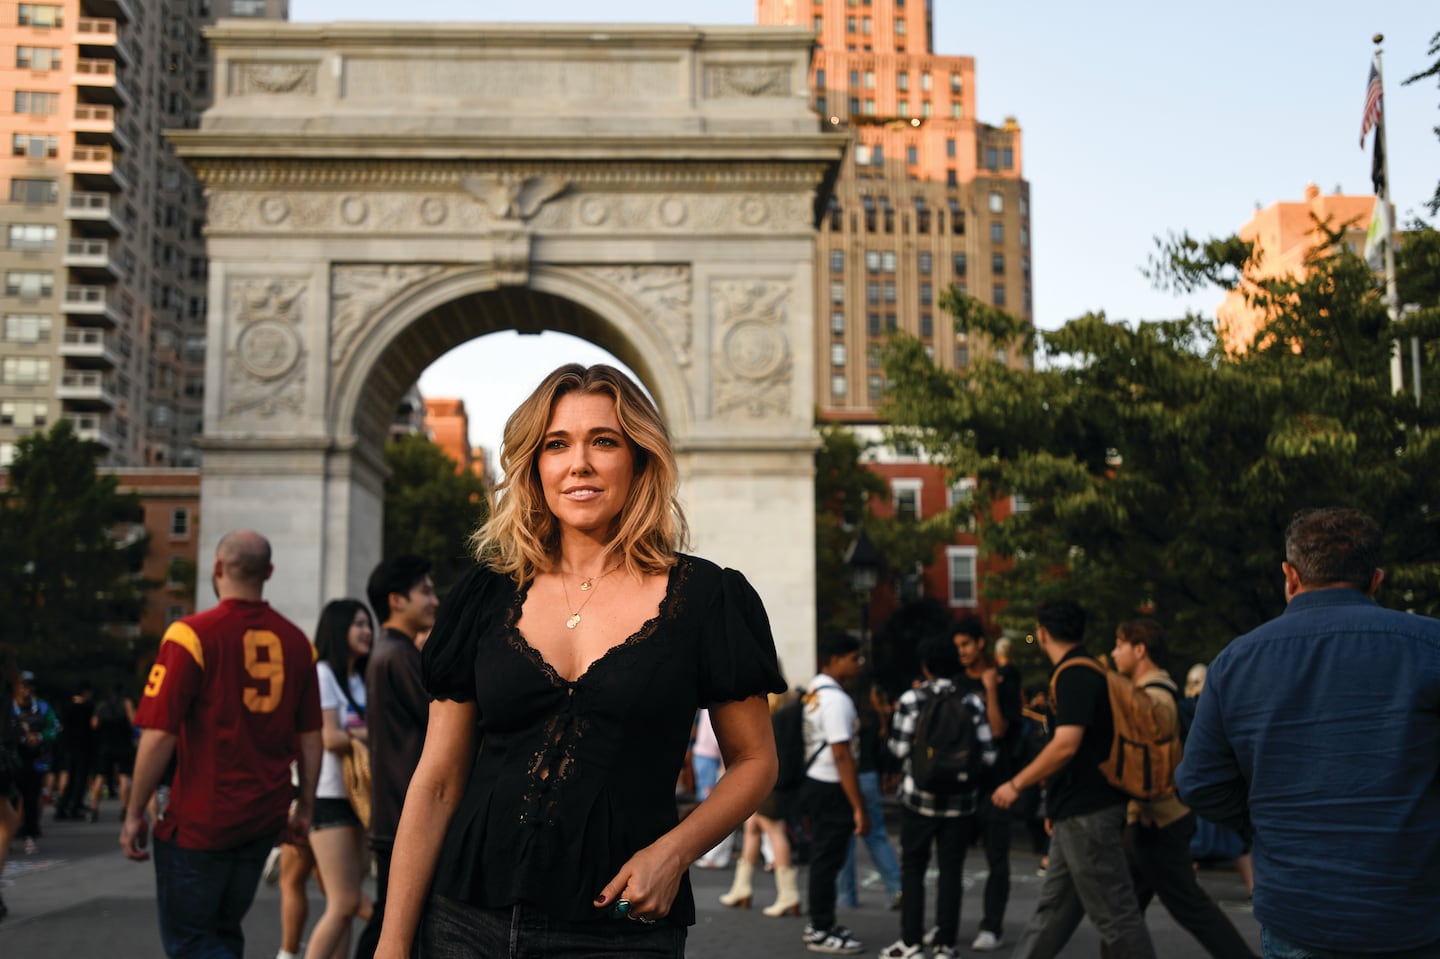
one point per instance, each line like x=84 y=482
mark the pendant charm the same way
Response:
x=573 y=621
x=585 y=586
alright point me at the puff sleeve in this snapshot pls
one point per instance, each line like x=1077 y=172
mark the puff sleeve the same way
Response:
x=737 y=650
x=447 y=661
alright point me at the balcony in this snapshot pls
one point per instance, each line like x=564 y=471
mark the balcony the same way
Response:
x=122 y=10
x=95 y=123
x=97 y=167
x=99 y=81
x=96 y=210
x=92 y=256
x=92 y=303
x=86 y=390
x=99 y=37
x=89 y=348
x=97 y=429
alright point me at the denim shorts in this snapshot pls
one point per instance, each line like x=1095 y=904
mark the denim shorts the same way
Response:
x=457 y=930
x=330 y=813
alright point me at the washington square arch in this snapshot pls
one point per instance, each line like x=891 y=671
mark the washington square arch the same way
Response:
x=382 y=192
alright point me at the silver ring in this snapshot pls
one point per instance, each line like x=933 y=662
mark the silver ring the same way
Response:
x=642 y=919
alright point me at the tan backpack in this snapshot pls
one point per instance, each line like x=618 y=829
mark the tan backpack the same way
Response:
x=1144 y=753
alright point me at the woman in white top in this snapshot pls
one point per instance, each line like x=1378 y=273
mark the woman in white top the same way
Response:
x=342 y=648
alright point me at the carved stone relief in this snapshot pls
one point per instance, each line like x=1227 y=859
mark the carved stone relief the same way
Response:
x=501 y=208
x=750 y=351
x=665 y=292
x=747 y=80
x=357 y=292
x=266 y=372
x=273 y=79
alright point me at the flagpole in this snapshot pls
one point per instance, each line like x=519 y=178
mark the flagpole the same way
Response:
x=1392 y=292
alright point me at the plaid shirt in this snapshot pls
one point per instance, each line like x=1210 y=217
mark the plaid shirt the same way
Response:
x=902 y=734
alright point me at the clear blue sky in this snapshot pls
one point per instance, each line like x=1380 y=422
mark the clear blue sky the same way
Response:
x=1139 y=118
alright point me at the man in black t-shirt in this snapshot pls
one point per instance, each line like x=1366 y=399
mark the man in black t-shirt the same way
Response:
x=1088 y=874
x=999 y=689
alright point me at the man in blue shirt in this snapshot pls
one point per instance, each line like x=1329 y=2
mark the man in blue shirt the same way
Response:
x=1320 y=731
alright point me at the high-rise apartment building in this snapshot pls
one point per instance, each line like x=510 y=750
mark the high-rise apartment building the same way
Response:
x=103 y=306
x=929 y=196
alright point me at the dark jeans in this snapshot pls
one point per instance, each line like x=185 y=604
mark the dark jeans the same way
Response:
x=203 y=894
x=951 y=837
x=30 y=781
x=370 y=935
x=78 y=765
x=1160 y=865
x=1088 y=876
x=832 y=823
x=455 y=930
x=994 y=825
x=1277 y=946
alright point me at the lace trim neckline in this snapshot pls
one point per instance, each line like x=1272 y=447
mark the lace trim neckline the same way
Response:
x=666 y=610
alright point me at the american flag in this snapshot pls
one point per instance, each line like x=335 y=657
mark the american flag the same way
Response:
x=1373 y=95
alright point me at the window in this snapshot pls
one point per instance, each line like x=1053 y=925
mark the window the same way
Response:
x=905 y=495
x=25 y=371
x=997 y=232
x=927 y=325
x=902 y=81
x=24 y=413
x=997 y=264
x=872 y=261
x=960 y=265
x=924 y=262
x=925 y=80
x=872 y=293
x=891 y=325
x=887 y=261
x=999 y=297
x=869 y=79
x=876 y=385
x=36 y=103
x=179 y=522
x=32 y=236
x=819 y=75
x=819 y=26
x=27 y=327
x=957 y=110
x=1024 y=206
x=837 y=322
x=899 y=27
x=962 y=492
x=872 y=324
x=837 y=354
x=837 y=292
x=837 y=386
x=849 y=24
x=37 y=58
x=889 y=291
x=962 y=561
x=957 y=218
x=903 y=108
x=951 y=178
x=992 y=158
x=837 y=261
x=962 y=355
x=1000 y=355
x=31 y=283
x=821 y=106
x=34 y=191
x=854 y=79
x=1025 y=236
x=1008 y=160
x=926 y=108
x=997 y=202
x=877 y=152
x=912 y=152
x=869 y=108
x=866 y=24
x=956 y=83
x=950 y=147
x=41 y=15
x=34 y=145
x=862 y=155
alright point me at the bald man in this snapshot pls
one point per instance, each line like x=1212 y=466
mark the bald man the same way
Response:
x=233 y=699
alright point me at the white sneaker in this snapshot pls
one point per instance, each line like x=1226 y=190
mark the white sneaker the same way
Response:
x=837 y=941
x=271 y=873
x=898 y=950
x=930 y=935
x=987 y=941
x=944 y=952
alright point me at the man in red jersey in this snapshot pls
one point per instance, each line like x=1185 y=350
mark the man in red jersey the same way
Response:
x=233 y=698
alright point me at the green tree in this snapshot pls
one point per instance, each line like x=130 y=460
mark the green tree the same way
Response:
x=1162 y=470
x=430 y=508
x=70 y=552
x=843 y=491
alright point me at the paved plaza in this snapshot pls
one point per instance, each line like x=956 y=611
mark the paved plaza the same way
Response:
x=77 y=897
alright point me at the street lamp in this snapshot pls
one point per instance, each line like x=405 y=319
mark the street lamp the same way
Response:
x=864 y=561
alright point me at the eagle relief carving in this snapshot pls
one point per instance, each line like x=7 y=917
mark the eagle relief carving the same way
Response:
x=508 y=196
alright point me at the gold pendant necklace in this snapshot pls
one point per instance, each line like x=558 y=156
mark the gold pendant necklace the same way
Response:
x=585 y=586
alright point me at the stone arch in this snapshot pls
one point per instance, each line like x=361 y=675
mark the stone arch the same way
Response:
x=379 y=193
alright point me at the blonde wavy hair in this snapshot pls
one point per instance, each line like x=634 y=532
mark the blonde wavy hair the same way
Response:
x=522 y=536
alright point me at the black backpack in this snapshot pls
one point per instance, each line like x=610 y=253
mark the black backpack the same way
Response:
x=945 y=755
x=789 y=724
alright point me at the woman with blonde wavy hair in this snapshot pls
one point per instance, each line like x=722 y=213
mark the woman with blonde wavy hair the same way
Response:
x=565 y=670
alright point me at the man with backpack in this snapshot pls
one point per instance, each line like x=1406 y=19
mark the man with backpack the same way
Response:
x=941 y=736
x=830 y=794
x=1158 y=831
x=1087 y=875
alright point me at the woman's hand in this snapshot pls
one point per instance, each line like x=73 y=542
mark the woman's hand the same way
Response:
x=649 y=881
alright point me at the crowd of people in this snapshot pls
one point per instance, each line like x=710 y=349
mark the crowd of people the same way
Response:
x=506 y=765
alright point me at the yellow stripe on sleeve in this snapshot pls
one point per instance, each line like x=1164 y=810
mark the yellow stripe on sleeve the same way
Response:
x=185 y=636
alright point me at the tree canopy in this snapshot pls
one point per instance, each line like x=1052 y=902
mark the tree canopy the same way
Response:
x=430 y=508
x=1161 y=470
x=71 y=546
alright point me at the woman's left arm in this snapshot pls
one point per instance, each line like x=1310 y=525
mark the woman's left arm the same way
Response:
x=650 y=879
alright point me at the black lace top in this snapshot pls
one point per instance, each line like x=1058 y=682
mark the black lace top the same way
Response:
x=571 y=779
